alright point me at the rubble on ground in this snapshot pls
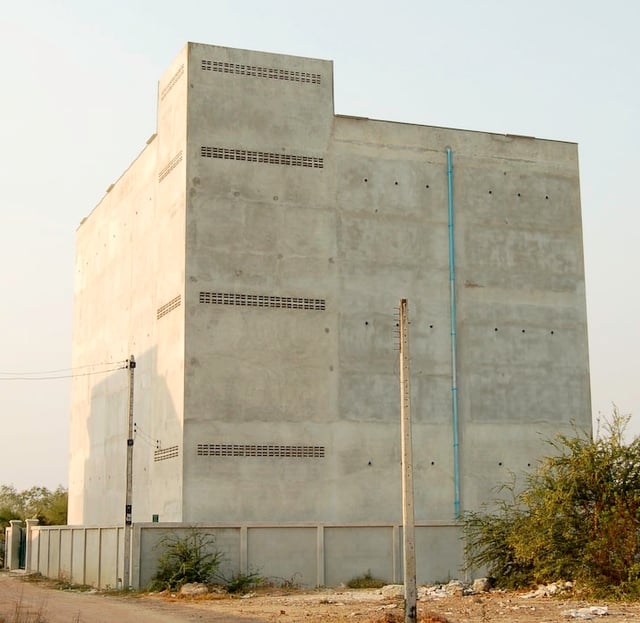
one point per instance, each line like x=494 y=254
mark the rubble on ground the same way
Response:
x=587 y=613
x=455 y=588
x=548 y=590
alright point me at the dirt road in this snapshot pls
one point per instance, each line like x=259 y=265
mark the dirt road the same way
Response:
x=58 y=606
x=334 y=606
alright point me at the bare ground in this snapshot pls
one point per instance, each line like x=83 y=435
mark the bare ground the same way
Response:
x=361 y=606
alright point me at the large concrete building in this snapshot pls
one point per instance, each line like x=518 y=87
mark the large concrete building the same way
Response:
x=252 y=259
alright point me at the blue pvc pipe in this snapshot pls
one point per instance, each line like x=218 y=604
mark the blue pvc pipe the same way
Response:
x=454 y=366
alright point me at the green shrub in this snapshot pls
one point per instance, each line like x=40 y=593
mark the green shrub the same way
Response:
x=241 y=582
x=577 y=518
x=365 y=581
x=185 y=559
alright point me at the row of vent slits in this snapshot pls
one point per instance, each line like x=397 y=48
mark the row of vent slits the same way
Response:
x=223 y=67
x=263 y=157
x=258 y=300
x=170 y=166
x=271 y=73
x=162 y=454
x=266 y=450
x=172 y=82
x=170 y=306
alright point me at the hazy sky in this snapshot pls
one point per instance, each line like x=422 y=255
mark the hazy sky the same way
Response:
x=78 y=102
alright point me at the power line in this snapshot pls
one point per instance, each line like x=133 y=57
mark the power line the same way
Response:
x=65 y=376
x=88 y=365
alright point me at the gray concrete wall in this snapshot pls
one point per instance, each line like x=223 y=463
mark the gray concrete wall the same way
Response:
x=77 y=554
x=112 y=306
x=268 y=229
x=366 y=229
x=306 y=555
x=129 y=300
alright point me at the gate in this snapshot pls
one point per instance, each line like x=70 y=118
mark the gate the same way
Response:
x=22 y=548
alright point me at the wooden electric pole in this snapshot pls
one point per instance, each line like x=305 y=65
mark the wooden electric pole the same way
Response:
x=126 y=575
x=408 y=515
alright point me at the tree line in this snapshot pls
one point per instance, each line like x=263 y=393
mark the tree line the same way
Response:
x=49 y=507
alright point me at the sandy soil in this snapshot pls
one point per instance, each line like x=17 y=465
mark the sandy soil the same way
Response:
x=362 y=606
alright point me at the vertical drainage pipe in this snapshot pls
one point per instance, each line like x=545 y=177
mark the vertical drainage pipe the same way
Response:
x=454 y=366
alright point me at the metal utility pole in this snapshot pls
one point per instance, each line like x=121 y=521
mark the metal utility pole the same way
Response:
x=126 y=575
x=408 y=515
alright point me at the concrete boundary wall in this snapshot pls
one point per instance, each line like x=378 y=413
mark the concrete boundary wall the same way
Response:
x=309 y=555
x=77 y=554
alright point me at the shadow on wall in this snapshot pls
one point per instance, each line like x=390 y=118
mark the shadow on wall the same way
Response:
x=157 y=465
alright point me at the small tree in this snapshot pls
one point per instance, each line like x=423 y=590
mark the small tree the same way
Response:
x=186 y=558
x=578 y=517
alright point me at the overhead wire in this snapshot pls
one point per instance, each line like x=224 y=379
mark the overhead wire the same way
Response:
x=88 y=365
x=51 y=374
x=143 y=434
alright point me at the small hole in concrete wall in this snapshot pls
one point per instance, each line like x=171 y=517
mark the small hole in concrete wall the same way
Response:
x=500 y=463
x=365 y=179
x=505 y=173
x=366 y=323
x=491 y=192
x=275 y=197
x=496 y=329
x=519 y=195
x=552 y=332
x=528 y=464
x=369 y=463
x=326 y=329
x=431 y=326
x=395 y=183
x=427 y=186
x=546 y=196
x=433 y=462
x=523 y=330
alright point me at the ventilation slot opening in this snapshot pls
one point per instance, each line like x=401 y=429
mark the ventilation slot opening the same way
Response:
x=260 y=300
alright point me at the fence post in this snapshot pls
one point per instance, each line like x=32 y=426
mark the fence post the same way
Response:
x=28 y=543
x=12 y=545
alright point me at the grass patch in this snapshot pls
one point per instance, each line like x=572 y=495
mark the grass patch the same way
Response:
x=365 y=581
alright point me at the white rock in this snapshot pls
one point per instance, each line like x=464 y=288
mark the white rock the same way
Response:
x=393 y=590
x=579 y=613
x=194 y=588
x=587 y=613
x=481 y=585
x=542 y=591
x=455 y=588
